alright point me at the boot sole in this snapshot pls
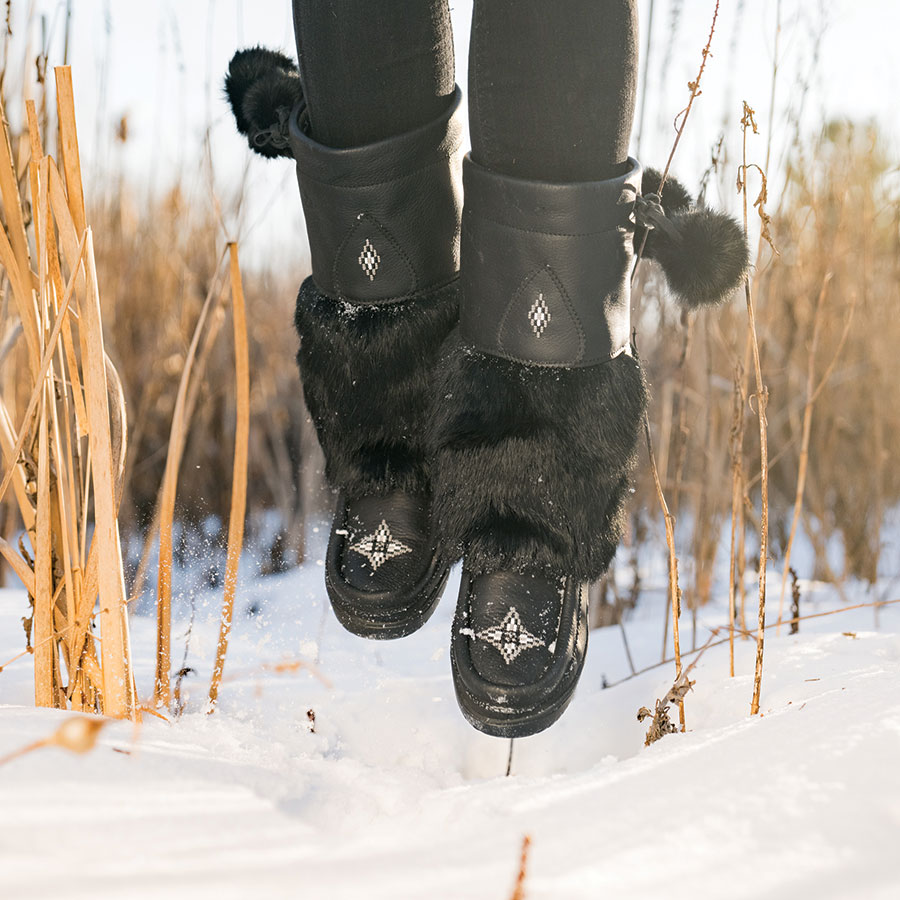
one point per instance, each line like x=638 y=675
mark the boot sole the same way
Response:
x=520 y=710
x=380 y=616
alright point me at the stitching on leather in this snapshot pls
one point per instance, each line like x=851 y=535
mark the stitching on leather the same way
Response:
x=572 y=311
x=512 y=302
x=566 y=299
x=391 y=240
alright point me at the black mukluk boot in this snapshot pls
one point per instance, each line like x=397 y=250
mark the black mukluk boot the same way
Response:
x=538 y=409
x=383 y=226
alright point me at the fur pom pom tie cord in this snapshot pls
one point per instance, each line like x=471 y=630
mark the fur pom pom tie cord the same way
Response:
x=507 y=442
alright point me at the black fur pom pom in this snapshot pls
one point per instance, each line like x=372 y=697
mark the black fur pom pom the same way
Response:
x=263 y=86
x=708 y=262
x=675 y=197
x=704 y=254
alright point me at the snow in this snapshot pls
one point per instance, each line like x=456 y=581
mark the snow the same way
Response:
x=395 y=796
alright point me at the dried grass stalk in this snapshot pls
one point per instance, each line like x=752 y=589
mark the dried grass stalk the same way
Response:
x=45 y=678
x=68 y=136
x=18 y=565
x=14 y=248
x=762 y=400
x=72 y=394
x=519 y=887
x=177 y=437
x=674 y=590
x=118 y=681
x=239 y=480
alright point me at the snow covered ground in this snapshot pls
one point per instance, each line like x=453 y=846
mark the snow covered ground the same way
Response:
x=395 y=796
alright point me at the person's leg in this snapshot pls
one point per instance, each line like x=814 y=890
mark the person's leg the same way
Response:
x=552 y=87
x=372 y=69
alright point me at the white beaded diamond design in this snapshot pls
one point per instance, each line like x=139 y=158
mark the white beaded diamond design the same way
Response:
x=539 y=315
x=380 y=546
x=510 y=637
x=369 y=259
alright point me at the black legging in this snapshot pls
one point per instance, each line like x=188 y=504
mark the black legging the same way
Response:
x=551 y=85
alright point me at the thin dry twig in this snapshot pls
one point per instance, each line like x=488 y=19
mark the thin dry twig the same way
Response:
x=674 y=590
x=762 y=400
x=877 y=604
x=694 y=88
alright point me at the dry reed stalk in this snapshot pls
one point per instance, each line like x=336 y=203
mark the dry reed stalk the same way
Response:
x=18 y=565
x=42 y=372
x=17 y=478
x=118 y=681
x=56 y=513
x=762 y=399
x=46 y=677
x=68 y=136
x=681 y=436
x=804 y=441
x=37 y=154
x=519 y=887
x=105 y=427
x=14 y=254
x=168 y=489
x=239 y=479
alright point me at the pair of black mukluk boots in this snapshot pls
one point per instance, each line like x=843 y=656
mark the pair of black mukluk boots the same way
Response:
x=471 y=378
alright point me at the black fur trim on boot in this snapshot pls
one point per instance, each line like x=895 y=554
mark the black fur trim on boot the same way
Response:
x=532 y=464
x=704 y=254
x=366 y=373
x=262 y=87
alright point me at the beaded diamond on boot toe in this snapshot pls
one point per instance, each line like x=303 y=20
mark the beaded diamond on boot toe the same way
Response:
x=510 y=637
x=380 y=546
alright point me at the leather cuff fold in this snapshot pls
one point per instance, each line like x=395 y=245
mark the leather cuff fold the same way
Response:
x=545 y=267
x=383 y=218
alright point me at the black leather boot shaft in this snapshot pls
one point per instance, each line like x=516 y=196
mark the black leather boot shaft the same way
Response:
x=545 y=267
x=383 y=219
